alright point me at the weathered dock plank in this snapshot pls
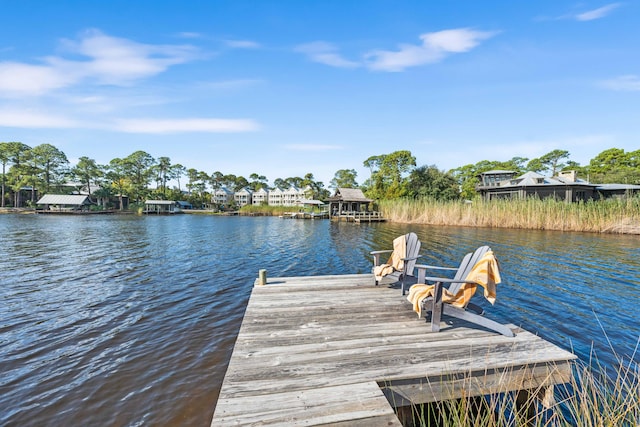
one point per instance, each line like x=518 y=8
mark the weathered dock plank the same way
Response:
x=326 y=350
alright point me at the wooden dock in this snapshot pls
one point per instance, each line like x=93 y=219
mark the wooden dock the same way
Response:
x=359 y=217
x=339 y=351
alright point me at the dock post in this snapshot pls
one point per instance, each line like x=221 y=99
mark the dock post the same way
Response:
x=262 y=277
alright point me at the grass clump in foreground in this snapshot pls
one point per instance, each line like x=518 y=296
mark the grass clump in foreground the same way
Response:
x=610 y=215
x=593 y=398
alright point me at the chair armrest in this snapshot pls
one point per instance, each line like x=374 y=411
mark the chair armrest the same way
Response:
x=376 y=256
x=446 y=280
x=435 y=267
x=422 y=270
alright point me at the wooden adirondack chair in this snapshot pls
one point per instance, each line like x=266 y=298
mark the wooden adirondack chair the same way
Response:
x=403 y=269
x=469 y=312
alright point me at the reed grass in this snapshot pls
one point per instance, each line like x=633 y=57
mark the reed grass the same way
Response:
x=593 y=398
x=603 y=216
x=265 y=210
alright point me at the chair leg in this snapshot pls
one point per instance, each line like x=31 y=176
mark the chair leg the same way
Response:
x=436 y=311
x=478 y=320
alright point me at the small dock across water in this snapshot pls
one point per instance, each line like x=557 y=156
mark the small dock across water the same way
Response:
x=359 y=217
x=339 y=351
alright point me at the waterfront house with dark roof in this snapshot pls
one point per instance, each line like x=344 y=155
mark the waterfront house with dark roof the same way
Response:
x=565 y=186
x=348 y=200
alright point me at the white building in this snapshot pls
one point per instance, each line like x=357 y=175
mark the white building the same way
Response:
x=243 y=197
x=222 y=196
x=260 y=197
x=275 y=197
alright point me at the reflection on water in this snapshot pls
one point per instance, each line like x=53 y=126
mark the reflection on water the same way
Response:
x=131 y=320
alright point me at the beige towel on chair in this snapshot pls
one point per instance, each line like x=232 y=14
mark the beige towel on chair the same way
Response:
x=485 y=273
x=395 y=262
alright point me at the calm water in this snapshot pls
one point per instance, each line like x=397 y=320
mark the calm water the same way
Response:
x=126 y=321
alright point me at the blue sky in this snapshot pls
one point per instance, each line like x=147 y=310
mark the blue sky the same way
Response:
x=284 y=88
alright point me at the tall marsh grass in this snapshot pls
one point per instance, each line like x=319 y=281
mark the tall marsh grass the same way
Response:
x=266 y=210
x=593 y=398
x=611 y=216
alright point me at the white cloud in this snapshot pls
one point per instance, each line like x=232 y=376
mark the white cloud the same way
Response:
x=107 y=60
x=325 y=53
x=119 y=61
x=35 y=120
x=601 y=12
x=312 y=147
x=434 y=48
x=23 y=79
x=32 y=119
x=242 y=44
x=189 y=35
x=161 y=126
x=623 y=83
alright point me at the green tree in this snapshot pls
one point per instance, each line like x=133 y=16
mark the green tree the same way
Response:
x=614 y=165
x=87 y=172
x=49 y=164
x=177 y=172
x=552 y=162
x=344 y=178
x=388 y=178
x=429 y=181
x=117 y=176
x=192 y=176
x=257 y=181
x=17 y=153
x=163 y=172
x=139 y=169
x=7 y=150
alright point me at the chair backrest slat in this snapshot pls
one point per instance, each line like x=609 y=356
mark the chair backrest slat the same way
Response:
x=467 y=265
x=412 y=250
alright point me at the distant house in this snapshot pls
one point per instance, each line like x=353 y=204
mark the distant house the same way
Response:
x=292 y=196
x=348 y=200
x=222 y=197
x=184 y=204
x=161 y=207
x=260 y=197
x=275 y=197
x=566 y=186
x=243 y=197
x=64 y=202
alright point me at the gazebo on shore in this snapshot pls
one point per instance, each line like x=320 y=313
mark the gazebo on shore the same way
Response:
x=348 y=200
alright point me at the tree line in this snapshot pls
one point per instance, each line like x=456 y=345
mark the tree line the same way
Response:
x=46 y=169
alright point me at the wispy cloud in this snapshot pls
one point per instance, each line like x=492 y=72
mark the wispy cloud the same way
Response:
x=434 y=48
x=589 y=15
x=312 y=147
x=325 y=53
x=35 y=120
x=106 y=60
x=162 y=126
x=242 y=44
x=189 y=35
x=623 y=83
x=598 y=13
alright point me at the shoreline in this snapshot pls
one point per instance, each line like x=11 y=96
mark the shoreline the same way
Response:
x=624 y=226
